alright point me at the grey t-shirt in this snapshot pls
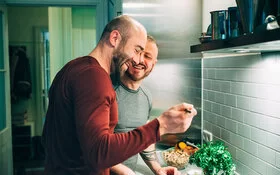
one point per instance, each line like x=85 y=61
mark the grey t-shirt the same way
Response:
x=134 y=107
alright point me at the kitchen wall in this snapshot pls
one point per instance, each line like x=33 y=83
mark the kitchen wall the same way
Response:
x=175 y=24
x=177 y=75
x=239 y=94
x=241 y=106
x=174 y=81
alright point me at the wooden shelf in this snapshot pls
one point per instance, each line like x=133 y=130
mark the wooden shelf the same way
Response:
x=267 y=41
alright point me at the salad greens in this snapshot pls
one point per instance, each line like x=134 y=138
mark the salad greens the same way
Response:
x=214 y=158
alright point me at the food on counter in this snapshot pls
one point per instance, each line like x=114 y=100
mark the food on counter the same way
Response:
x=214 y=157
x=176 y=157
x=186 y=148
x=181 y=145
x=190 y=150
x=179 y=155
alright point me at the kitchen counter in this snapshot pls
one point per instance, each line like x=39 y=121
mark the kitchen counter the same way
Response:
x=143 y=169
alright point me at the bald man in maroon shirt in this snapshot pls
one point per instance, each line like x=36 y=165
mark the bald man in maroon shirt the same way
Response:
x=78 y=133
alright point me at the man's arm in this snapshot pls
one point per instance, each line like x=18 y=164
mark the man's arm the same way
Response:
x=95 y=110
x=121 y=169
x=150 y=158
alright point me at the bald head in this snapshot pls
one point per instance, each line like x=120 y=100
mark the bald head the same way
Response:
x=125 y=25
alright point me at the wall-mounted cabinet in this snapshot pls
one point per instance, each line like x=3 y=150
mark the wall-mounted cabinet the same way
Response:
x=267 y=41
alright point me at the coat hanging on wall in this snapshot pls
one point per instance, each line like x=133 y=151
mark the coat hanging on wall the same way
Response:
x=20 y=74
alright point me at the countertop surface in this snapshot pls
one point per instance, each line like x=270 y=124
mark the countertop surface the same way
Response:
x=143 y=169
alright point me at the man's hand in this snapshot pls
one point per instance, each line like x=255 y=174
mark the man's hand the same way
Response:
x=121 y=169
x=169 y=170
x=177 y=119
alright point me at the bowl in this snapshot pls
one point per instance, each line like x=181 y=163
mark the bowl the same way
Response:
x=176 y=157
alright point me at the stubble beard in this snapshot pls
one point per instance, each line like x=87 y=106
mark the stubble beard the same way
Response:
x=135 y=78
x=119 y=58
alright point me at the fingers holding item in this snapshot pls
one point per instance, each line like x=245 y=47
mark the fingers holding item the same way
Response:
x=176 y=119
x=186 y=107
x=183 y=107
x=173 y=171
x=191 y=110
x=169 y=170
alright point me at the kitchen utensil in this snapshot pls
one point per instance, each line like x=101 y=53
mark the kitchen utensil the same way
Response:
x=209 y=30
x=250 y=13
x=233 y=22
x=218 y=22
x=270 y=8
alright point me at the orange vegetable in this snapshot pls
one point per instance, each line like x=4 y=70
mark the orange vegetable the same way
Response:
x=181 y=145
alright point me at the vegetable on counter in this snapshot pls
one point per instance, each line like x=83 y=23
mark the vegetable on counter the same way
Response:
x=181 y=145
x=178 y=156
x=214 y=157
x=186 y=147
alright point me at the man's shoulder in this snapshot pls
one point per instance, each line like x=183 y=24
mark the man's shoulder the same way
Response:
x=145 y=90
x=147 y=93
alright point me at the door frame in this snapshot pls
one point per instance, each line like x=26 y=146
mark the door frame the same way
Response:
x=6 y=156
x=101 y=21
x=102 y=16
x=39 y=53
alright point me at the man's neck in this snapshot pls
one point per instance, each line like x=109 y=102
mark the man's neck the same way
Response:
x=133 y=85
x=103 y=58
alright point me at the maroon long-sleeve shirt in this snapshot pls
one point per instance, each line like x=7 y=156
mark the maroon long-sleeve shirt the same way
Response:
x=78 y=131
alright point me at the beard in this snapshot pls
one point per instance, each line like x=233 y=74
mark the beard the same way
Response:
x=138 y=78
x=119 y=58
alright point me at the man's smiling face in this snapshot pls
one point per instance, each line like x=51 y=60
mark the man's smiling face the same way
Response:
x=149 y=58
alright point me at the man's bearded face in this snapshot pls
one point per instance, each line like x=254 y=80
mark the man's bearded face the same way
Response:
x=119 y=57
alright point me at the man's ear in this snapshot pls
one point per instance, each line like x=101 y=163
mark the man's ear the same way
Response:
x=115 y=38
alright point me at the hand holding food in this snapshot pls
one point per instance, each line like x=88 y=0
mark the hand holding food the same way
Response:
x=177 y=119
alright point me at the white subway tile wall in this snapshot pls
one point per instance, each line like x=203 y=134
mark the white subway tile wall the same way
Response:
x=241 y=106
x=174 y=81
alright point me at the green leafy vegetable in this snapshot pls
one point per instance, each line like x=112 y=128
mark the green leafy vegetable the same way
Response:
x=214 y=157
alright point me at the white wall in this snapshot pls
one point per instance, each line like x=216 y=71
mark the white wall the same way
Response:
x=176 y=25
x=72 y=34
x=60 y=28
x=83 y=31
